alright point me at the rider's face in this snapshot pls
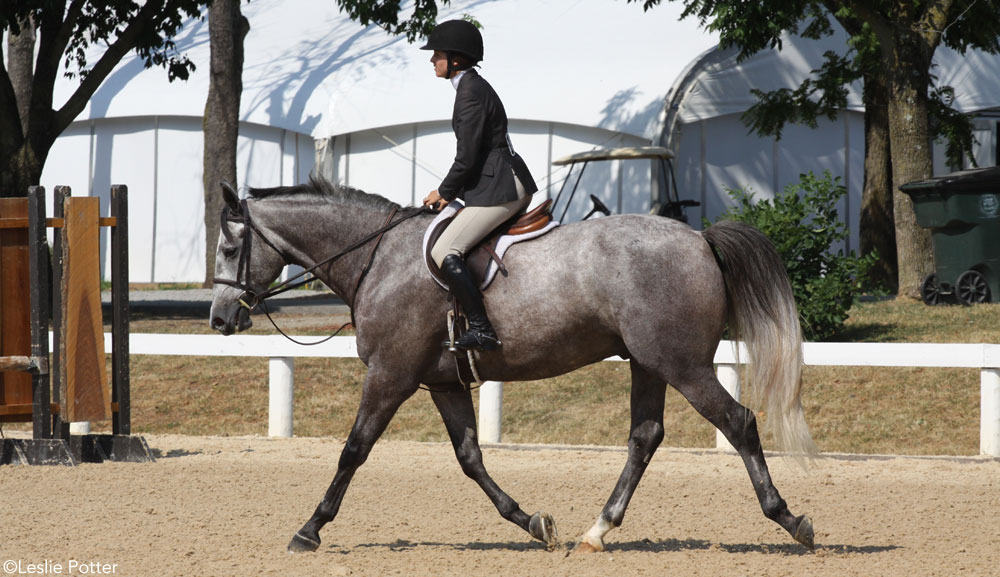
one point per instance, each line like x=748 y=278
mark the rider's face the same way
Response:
x=440 y=61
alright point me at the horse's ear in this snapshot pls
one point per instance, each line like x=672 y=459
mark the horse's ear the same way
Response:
x=231 y=197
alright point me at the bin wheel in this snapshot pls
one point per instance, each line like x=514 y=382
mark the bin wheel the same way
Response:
x=972 y=288
x=930 y=293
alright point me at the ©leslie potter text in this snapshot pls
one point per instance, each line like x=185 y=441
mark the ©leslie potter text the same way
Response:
x=48 y=567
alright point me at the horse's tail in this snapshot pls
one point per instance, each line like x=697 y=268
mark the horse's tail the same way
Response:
x=762 y=313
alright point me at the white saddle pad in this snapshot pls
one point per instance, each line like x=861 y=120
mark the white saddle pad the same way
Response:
x=505 y=243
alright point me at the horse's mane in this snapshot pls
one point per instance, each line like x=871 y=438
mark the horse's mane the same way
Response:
x=319 y=187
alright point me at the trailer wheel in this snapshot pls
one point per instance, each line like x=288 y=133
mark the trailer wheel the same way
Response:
x=972 y=288
x=930 y=292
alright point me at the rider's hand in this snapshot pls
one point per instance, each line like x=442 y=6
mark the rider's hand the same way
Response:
x=435 y=201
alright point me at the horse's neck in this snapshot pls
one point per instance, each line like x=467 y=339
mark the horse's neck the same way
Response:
x=312 y=232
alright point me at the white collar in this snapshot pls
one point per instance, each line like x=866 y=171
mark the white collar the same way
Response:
x=457 y=77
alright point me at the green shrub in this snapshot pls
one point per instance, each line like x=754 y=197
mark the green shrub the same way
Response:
x=803 y=225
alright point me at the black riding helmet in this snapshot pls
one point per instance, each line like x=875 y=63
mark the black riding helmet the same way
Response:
x=456 y=37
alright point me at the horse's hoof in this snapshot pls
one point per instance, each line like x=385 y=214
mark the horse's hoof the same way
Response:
x=804 y=531
x=587 y=547
x=543 y=527
x=301 y=544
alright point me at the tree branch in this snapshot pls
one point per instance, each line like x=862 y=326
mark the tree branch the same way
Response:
x=147 y=16
x=881 y=26
x=54 y=32
x=934 y=21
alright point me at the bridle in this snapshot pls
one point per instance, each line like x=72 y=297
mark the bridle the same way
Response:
x=250 y=299
x=242 y=280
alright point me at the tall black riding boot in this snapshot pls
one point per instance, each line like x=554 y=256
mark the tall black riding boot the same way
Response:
x=480 y=336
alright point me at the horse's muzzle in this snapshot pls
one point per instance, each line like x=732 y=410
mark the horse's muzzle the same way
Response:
x=236 y=321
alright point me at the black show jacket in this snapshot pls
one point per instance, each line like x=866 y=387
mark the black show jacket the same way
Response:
x=484 y=167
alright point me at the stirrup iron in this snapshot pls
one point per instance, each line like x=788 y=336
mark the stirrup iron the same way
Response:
x=450 y=343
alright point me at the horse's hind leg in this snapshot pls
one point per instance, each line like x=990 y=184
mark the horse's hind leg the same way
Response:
x=380 y=399
x=455 y=405
x=739 y=425
x=647 y=399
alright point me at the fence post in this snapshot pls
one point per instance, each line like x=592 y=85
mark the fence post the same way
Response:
x=121 y=388
x=280 y=389
x=60 y=428
x=989 y=412
x=730 y=379
x=38 y=273
x=490 y=411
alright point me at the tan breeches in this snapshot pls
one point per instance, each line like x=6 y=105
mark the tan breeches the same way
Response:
x=472 y=225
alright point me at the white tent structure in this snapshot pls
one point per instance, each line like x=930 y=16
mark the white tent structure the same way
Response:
x=715 y=151
x=573 y=75
x=361 y=107
x=145 y=132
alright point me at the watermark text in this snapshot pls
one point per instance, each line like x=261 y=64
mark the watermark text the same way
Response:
x=50 y=567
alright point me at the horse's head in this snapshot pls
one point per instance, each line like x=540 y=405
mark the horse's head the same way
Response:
x=243 y=268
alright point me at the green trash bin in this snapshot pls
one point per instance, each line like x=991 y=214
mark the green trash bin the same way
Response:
x=962 y=211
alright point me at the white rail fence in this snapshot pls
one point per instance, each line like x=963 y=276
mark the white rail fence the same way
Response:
x=282 y=354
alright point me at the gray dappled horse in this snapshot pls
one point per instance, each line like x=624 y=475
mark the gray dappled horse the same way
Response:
x=646 y=288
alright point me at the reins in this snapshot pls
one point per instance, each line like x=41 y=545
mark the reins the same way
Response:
x=250 y=300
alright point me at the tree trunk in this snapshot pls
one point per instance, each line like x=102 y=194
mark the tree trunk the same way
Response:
x=21 y=169
x=20 y=66
x=227 y=29
x=877 y=227
x=911 y=159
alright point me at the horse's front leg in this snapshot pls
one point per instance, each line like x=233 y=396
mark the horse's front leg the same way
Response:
x=647 y=401
x=455 y=405
x=380 y=399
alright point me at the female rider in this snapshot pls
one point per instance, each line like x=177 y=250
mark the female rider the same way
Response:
x=487 y=174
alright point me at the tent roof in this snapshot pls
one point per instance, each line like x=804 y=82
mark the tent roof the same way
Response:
x=975 y=76
x=309 y=68
x=716 y=84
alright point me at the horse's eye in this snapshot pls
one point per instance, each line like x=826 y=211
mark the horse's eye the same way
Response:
x=229 y=252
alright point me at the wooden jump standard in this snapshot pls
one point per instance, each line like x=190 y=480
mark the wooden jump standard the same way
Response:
x=72 y=387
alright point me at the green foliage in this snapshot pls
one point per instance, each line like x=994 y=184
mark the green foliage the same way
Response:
x=470 y=18
x=385 y=14
x=754 y=26
x=954 y=127
x=121 y=25
x=83 y=39
x=803 y=225
x=824 y=95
